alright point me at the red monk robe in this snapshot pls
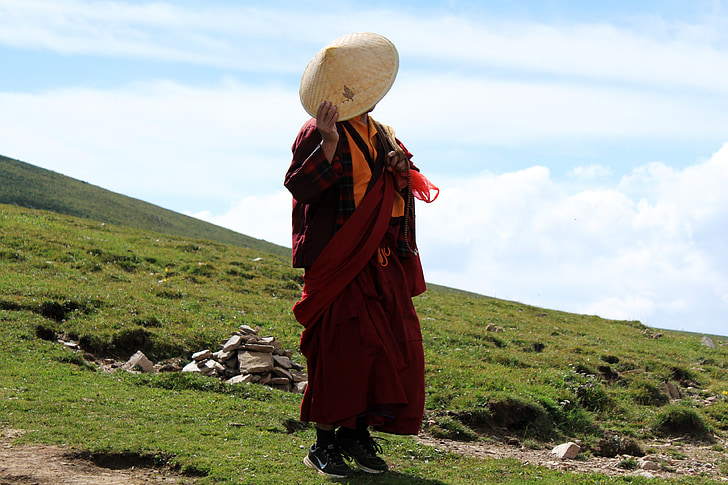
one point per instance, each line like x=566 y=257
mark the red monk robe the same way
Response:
x=362 y=336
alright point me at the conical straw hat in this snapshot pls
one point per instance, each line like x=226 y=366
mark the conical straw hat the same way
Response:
x=353 y=72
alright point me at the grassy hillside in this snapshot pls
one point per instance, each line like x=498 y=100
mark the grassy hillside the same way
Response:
x=496 y=370
x=29 y=186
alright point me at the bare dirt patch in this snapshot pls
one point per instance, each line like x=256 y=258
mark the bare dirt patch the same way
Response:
x=675 y=458
x=52 y=465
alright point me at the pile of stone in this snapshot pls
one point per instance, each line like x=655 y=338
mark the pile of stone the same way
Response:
x=248 y=357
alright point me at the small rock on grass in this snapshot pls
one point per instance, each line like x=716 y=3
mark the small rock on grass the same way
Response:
x=566 y=450
x=140 y=361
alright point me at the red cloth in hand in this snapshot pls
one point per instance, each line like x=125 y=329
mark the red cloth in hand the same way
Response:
x=422 y=188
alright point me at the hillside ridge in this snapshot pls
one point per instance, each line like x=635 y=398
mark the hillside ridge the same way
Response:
x=26 y=185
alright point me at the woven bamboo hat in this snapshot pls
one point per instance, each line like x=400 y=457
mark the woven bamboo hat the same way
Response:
x=353 y=72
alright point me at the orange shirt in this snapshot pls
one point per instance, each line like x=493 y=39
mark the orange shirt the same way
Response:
x=362 y=172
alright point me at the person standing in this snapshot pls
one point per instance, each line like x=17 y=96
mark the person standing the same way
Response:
x=354 y=235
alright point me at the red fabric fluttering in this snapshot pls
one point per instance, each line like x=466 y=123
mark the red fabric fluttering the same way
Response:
x=422 y=188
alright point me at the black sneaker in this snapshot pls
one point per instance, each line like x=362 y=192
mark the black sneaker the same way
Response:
x=328 y=461
x=363 y=449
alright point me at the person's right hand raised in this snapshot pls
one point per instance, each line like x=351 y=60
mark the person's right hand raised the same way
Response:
x=326 y=117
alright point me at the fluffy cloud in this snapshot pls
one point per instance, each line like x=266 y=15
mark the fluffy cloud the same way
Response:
x=476 y=110
x=261 y=38
x=590 y=172
x=264 y=217
x=159 y=141
x=651 y=248
x=673 y=55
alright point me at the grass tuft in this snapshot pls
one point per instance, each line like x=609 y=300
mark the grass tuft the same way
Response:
x=680 y=420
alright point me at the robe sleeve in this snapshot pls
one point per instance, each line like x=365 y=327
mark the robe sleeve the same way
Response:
x=310 y=173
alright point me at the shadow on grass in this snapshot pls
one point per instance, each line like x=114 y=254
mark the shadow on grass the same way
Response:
x=389 y=478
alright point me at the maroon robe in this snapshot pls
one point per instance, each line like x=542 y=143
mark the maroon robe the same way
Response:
x=362 y=336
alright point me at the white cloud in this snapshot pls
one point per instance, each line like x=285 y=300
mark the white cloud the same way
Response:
x=613 y=252
x=600 y=52
x=241 y=37
x=174 y=144
x=159 y=140
x=264 y=217
x=261 y=38
x=589 y=172
x=477 y=110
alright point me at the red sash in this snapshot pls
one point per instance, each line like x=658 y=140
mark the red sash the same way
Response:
x=347 y=252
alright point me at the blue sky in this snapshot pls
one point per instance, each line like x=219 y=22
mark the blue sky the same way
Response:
x=580 y=146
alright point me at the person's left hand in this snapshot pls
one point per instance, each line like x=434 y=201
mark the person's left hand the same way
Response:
x=396 y=161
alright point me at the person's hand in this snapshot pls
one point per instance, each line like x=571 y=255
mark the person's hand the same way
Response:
x=326 y=117
x=397 y=161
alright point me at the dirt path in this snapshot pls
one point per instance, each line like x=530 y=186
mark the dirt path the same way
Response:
x=672 y=459
x=51 y=465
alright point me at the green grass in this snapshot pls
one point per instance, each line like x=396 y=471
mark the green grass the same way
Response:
x=548 y=376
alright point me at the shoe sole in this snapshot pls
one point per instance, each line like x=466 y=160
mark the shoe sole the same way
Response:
x=310 y=464
x=367 y=469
